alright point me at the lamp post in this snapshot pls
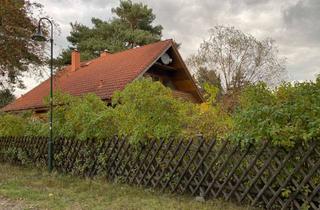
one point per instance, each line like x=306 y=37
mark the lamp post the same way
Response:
x=38 y=36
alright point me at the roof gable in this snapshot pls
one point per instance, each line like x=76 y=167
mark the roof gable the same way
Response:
x=178 y=75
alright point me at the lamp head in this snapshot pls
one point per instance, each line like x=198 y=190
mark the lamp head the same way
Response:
x=38 y=36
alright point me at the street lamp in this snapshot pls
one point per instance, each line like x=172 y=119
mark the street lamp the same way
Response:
x=38 y=36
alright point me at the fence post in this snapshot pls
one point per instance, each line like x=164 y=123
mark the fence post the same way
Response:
x=201 y=196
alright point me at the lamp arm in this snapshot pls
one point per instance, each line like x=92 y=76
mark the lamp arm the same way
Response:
x=51 y=25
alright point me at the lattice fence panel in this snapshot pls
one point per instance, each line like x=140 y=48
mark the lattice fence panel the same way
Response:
x=265 y=176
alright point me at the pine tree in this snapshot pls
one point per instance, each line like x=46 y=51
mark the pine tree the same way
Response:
x=132 y=26
x=6 y=97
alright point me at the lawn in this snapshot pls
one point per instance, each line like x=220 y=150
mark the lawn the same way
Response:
x=26 y=188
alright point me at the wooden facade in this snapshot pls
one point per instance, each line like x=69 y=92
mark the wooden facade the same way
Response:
x=176 y=77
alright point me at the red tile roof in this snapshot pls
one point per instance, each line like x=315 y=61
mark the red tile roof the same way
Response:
x=101 y=76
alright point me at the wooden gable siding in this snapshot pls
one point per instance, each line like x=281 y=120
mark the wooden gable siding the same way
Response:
x=175 y=76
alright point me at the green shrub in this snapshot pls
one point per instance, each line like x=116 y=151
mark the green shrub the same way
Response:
x=82 y=117
x=147 y=109
x=286 y=115
x=12 y=125
x=15 y=155
x=143 y=110
x=208 y=118
x=210 y=121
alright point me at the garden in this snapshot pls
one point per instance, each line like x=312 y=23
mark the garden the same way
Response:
x=286 y=115
x=263 y=150
x=253 y=140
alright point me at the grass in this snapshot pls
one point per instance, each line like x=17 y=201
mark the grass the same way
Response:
x=36 y=189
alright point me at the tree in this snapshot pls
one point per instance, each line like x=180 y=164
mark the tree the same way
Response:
x=204 y=76
x=137 y=18
x=18 y=53
x=237 y=59
x=131 y=27
x=6 y=97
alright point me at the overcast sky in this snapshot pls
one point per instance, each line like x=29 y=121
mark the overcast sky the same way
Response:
x=294 y=24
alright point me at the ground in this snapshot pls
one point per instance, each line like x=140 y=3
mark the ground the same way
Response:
x=26 y=188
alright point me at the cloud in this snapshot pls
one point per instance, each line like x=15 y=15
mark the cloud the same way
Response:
x=66 y=11
x=292 y=23
x=302 y=20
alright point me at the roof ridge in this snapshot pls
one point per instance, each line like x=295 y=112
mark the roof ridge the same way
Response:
x=116 y=53
x=138 y=47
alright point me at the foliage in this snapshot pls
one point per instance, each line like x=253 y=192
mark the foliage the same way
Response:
x=230 y=101
x=143 y=110
x=237 y=59
x=18 y=52
x=203 y=77
x=286 y=115
x=209 y=118
x=131 y=26
x=211 y=93
x=138 y=18
x=210 y=121
x=15 y=156
x=20 y=125
x=6 y=97
x=82 y=117
x=146 y=109
x=12 y=125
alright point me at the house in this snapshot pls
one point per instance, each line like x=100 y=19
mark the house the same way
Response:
x=111 y=72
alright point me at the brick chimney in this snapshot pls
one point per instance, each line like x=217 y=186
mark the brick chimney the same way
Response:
x=105 y=53
x=75 y=60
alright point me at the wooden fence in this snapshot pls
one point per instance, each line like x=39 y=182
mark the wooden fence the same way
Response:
x=264 y=176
